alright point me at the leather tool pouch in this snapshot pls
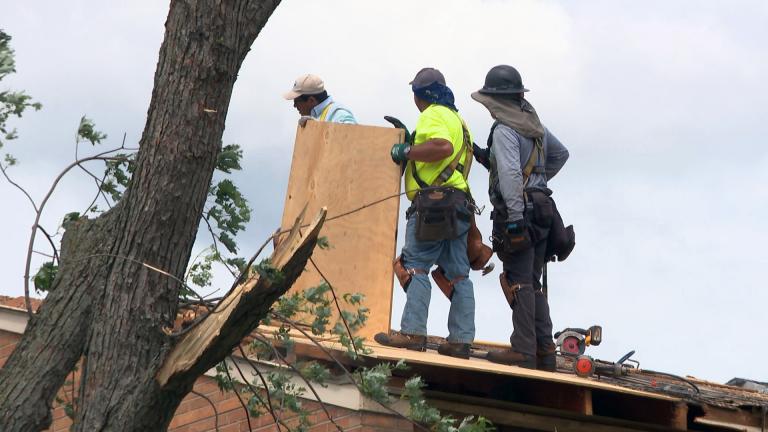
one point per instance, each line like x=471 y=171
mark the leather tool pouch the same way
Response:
x=435 y=210
x=401 y=273
x=509 y=290
x=445 y=285
x=478 y=253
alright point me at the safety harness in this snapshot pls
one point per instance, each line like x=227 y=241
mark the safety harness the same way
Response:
x=454 y=165
x=532 y=165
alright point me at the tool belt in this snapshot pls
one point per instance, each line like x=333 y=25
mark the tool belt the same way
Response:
x=561 y=239
x=544 y=224
x=436 y=213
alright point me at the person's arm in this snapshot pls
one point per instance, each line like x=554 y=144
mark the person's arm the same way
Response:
x=434 y=137
x=431 y=151
x=557 y=155
x=506 y=150
x=343 y=115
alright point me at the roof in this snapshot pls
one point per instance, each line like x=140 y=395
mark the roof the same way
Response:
x=19 y=303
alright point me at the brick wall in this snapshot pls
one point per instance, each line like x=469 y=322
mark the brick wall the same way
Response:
x=196 y=414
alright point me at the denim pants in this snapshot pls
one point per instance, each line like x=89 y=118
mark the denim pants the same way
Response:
x=451 y=255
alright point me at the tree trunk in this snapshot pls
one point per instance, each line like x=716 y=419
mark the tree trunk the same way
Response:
x=106 y=305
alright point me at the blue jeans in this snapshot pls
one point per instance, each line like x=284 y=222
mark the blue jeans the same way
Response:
x=451 y=255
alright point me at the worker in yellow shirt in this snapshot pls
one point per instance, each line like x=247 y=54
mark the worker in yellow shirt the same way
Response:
x=439 y=218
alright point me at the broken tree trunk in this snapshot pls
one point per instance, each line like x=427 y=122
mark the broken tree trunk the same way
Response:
x=107 y=305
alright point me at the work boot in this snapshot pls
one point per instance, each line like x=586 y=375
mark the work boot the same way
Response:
x=460 y=350
x=546 y=359
x=512 y=357
x=402 y=340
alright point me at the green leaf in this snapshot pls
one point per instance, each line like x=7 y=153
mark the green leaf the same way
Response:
x=45 y=276
x=69 y=218
x=314 y=371
x=229 y=158
x=86 y=131
x=322 y=243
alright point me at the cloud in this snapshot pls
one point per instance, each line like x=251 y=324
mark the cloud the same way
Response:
x=661 y=105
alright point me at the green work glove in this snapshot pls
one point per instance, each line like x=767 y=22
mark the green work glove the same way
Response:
x=399 y=153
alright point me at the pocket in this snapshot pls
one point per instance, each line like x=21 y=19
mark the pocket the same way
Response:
x=543 y=209
x=435 y=215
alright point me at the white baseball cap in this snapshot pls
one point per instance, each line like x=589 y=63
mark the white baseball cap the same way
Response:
x=306 y=84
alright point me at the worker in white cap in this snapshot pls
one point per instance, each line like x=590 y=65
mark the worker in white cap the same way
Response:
x=313 y=102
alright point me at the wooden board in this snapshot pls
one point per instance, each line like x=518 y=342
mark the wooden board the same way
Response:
x=434 y=359
x=343 y=167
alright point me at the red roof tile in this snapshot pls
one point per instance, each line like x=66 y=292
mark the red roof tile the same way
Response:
x=18 y=302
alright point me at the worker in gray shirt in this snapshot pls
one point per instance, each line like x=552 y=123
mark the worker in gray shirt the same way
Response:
x=522 y=155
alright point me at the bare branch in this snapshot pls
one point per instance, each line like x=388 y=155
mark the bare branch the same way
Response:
x=245 y=408
x=50 y=240
x=216 y=247
x=98 y=193
x=213 y=405
x=255 y=391
x=38 y=214
x=2 y=168
x=293 y=368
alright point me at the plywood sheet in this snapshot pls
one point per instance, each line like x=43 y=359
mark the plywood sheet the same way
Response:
x=343 y=167
x=434 y=359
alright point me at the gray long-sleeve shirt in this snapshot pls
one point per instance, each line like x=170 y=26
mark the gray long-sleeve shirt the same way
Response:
x=509 y=154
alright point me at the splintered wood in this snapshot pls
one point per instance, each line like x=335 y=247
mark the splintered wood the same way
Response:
x=344 y=167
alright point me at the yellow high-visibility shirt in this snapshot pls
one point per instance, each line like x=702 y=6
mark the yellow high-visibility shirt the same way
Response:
x=437 y=121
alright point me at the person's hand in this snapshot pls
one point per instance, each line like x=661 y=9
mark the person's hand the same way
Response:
x=481 y=155
x=399 y=153
x=517 y=237
x=516 y=227
x=303 y=120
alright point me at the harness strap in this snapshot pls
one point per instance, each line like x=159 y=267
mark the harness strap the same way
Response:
x=324 y=114
x=537 y=153
x=415 y=271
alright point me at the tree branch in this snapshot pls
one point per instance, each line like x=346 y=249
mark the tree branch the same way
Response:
x=240 y=311
x=344 y=369
x=237 y=393
x=293 y=368
x=213 y=405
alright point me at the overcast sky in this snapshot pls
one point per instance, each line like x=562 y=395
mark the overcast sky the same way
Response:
x=661 y=104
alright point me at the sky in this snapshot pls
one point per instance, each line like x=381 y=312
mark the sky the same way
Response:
x=661 y=104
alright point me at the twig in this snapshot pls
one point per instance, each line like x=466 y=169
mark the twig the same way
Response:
x=50 y=240
x=343 y=368
x=18 y=187
x=213 y=405
x=237 y=393
x=263 y=382
x=216 y=246
x=336 y=300
x=296 y=370
x=275 y=417
x=96 y=197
